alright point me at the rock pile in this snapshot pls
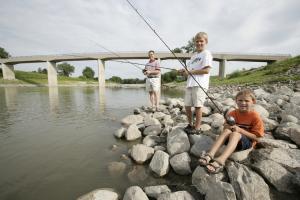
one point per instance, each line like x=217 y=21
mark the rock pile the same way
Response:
x=251 y=174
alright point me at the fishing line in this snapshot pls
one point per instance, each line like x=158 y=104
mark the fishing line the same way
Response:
x=230 y=120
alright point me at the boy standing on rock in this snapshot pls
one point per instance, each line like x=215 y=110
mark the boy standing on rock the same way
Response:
x=152 y=71
x=199 y=66
x=241 y=136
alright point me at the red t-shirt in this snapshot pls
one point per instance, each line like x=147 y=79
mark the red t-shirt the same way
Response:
x=250 y=121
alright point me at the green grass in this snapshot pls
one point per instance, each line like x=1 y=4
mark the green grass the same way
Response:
x=42 y=79
x=271 y=73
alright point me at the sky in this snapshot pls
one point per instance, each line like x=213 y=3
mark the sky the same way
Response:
x=46 y=27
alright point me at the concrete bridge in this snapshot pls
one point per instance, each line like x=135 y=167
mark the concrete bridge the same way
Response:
x=51 y=60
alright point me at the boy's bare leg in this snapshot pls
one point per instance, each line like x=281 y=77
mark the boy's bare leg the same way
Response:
x=198 y=113
x=156 y=98
x=188 y=110
x=234 y=138
x=219 y=142
x=151 y=94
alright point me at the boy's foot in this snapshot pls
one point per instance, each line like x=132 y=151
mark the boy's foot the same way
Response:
x=214 y=167
x=205 y=159
x=188 y=128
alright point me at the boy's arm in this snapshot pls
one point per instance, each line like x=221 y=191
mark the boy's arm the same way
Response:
x=244 y=132
x=204 y=70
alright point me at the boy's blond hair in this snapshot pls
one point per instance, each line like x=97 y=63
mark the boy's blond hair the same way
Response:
x=246 y=92
x=201 y=35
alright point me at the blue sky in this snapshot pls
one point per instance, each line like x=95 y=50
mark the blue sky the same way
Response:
x=42 y=27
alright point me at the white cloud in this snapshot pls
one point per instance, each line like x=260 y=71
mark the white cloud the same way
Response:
x=36 y=27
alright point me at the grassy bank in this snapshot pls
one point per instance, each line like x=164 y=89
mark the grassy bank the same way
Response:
x=282 y=71
x=41 y=79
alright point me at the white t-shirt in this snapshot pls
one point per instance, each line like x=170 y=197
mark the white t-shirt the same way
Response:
x=199 y=61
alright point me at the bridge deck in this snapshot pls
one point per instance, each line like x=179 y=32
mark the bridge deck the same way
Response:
x=141 y=55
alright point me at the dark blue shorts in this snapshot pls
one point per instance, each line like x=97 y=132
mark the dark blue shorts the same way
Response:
x=243 y=144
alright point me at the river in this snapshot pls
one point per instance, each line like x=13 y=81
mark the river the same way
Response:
x=56 y=143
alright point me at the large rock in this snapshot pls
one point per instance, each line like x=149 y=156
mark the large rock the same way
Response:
x=155 y=191
x=132 y=119
x=160 y=163
x=152 y=140
x=203 y=143
x=152 y=130
x=120 y=132
x=148 y=121
x=135 y=193
x=220 y=190
x=292 y=108
x=177 y=142
x=100 y=194
x=181 y=163
x=141 y=153
x=269 y=143
x=133 y=133
x=203 y=181
x=261 y=110
x=282 y=131
x=277 y=175
x=179 y=195
x=294 y=134
x=246 y=183
x=281 y=156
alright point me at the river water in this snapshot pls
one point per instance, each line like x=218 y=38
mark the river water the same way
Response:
x=56 y=143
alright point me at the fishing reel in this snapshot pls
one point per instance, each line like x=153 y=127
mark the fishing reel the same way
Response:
x=230 y=120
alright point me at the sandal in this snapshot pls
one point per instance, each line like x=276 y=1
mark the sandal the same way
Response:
x=196 y=132
x=205 y=159
x=188 y=128
x=216 y=165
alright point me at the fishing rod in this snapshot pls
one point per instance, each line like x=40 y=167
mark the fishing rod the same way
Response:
x=229 y=119
x=133 y=63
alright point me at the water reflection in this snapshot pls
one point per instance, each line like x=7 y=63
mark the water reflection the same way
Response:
x=10 y=94
x=53 y=99
x=102 y=104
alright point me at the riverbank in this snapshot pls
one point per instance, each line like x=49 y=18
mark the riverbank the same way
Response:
x=270 y=171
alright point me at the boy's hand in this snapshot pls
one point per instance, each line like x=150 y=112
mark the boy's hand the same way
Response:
x=235 y=128
x=183 y=72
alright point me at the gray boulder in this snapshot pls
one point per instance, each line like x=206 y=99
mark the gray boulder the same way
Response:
x=155 y=191
x=132 y=119
x=181 y=163
x=179 y=195
x=246 y=183
x=100 y=194
x=177 y=142
x=160 y=163
x=141 y=153
x=135 y=193
x=133 y=133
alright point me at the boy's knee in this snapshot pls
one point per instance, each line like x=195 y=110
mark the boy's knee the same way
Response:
x=226 y=132
x=235 y=135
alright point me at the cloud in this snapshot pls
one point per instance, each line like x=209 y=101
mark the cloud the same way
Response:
x=35 y=27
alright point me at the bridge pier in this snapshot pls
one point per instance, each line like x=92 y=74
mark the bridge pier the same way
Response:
x=8 y=72
x=101 y=75
x=52 y=73
x=222 y=64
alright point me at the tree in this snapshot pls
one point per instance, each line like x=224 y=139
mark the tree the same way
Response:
x=3 y=53
x=88 y=72
x=190 y=47
x=65 y=69
x=115 y=79
x=177 y=50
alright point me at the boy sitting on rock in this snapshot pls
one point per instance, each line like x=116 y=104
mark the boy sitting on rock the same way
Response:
x=241 y=136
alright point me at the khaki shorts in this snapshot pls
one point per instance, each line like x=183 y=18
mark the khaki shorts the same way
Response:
x=152 y=84
x=194 y=97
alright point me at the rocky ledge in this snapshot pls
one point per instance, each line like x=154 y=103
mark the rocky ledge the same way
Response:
x=262 y=173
